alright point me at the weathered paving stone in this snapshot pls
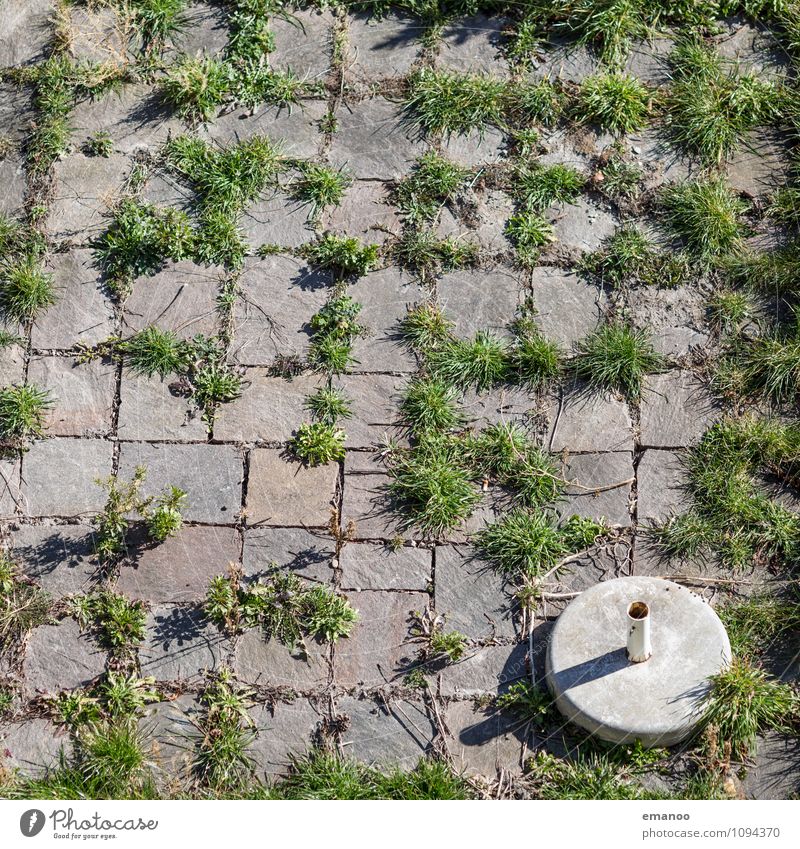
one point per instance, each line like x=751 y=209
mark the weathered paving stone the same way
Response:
x=587 y=471
x=98 y=34
x=269 y=663
x=494 y=210
x=82 y=395
x=484 y=741
x=16 y=112
x=282 y=730
x=376 y=567
x=154 y=409
x=166 y=190
x=58 y=557
x=752 y=47
x=373 y=141
x=566 y=60
x=661 y=485
x=475 y=148
x=309 y=555
x=12 y=365
x=32 y=746
x=211 y=475
x=398 y=733
x=480 y=300
x=373 y=402
x=773 y=775
x=303 y=44
x=471 y=596
x=472 y=46
x=382 y=47
x=590 y=421
x=568 y=308
x=206 y=29
x=565 y=148
x=278 y=295
x=364 y=212
x=270 y=409
x=376 y=652
x=181 y=298
x=581 y=226
x=85 y=189
x=59 y=657
x=385 y=297
x=648 y=61
x=283 y=492
x=82 y=313
x=759 y=166
x=368 y=505
x=180 y=568
x=363 y=462
x=10 y=487
x=58 y=477
x=135 y=118
x=674 y=318
x=277 y=220
x=676 y=409
x=294 y=128
x=27 y=31
x=13 y=181
x=499 y=405
x=169 y=731
x=492 y=669
x=181 y=644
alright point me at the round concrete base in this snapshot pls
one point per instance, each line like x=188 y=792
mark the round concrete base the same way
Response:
x=657 y=701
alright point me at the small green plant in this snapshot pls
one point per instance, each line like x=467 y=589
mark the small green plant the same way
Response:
x=706 y=215
x=754 y=624
x=728 y=310
x=23 y=412
x=328 y=405
x=319 y=187
x=118 y=622
x=153 y=351
x=156 y=21
x=535 y=360
x=100 y=144
x=532 y=703
x=430 y=405
x=165 y=519
x=615 y=102
x=743 y=702
x=482 y=362
x=769 y=365
x=6 y=700
x=197 y=86
x=621 y=180
x=622 y=257
x=433 y=181
x=346 y=256
x=437 y=643
x=422 y=252
x=536 y=187
x=317 y=443
x=616 y=357
x=592 y=778
x=25 y=290
x=529 y=232
x=334 y=329
x=425 y=327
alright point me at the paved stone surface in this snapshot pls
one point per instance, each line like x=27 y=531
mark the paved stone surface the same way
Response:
x=377 y=652
x=375 y=567
x=472 y=46
x=676 y=410
x=662 y=485
x=471 y=596
x=277 y=220
x=368 y=505
x=59 y=475
x=59 y=657
x=475 y=148
x=82 y=394
x=26 y=31
x=283 y=492
x=307 y=554
x=396 y=734
x=12 y=365
x=568 y=308
x=180 y=569
x=12 y=174
x=499 y=405
x=373 y=402
x=483 y=741
x=480 y=301
x=774 y=774
x=303 y=43
x=492 y=669
x=282 y=730
x=169 y=730
x=600 y=486
x=32 y=746
x=181 y=644
x=269 y=663
x=382 y=47
x=590 y=422
x=364 y=212
x=10 y=487
x=152 y=408
x=58 y=557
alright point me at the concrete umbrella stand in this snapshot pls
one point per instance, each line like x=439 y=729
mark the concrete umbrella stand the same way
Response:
x=630 y=659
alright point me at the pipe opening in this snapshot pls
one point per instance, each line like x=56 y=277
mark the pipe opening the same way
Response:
x=638 y=610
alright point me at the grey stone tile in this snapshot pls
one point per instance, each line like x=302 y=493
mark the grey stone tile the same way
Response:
x=278 y=295
x=661 y=485
x=674 y=318
x=307 y=554
x=484 y=741
x=759 y=166
x=59 y=657
x=98 y=34
x=368 y=505
x=58 y=476
x=475 y=148
x=373 y=402
x=472 y=46
x=33 y=746
x=568 y=308
x=365 y=212
x=480 y=300
x=181 y=645
x=648 y=60
x=581 y=226
x=494 y=210
x=27 y=31
x=283 y=492
x=270 y=409
x=471 y=596
x=14 y=183
x=751 y=46
x=181 y=298
x=382 y=47
x=398 y=733
x=566 y=60
x=375 y=567
x=277 y=220
x=376 y=652
x=151 y=409
x=170 y=732
x=211 y=475
x=16 y=111
x=491 y=669
x=500 y=405
x=282 y=730
x=83 y=314
x=373 y=141
x=12 y=365
x=10 y=487
x=58 y=557
x=82 y=395
x=586 y=471
x=676 y=409
x=268 y=663
x=180 y=568
x=590 y=421
x=303 y=43
x=363 y=462
x=206 y=29
x=773 y=775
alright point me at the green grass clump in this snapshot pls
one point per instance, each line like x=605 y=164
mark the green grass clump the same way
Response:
x=25 y=289
x=153 y=351
x=328 y=405
x=711 y=107
x=706 y=215
x=197 y=86
x=319 y=187
x=531 y=703
x=425 y=327
x=622 y=257
x=346 y=256
x=535 y=360
x=744 y=702
x=156 y=21
x=481 y=362
x=755 y=624
x=433 y=181
x=165 y=519
x=431 y=405
x=529 y=232
x=773 y=272
x=614 y=102
x=334 y=329
x=423 y=252
x=616 y=357
x=536 y=187
x=526 y=544
x=592 y=778
x=621 y=180
x=728 y=310
x=317 y=443
x=23 y=413
x=769 y=366
x=118 y=622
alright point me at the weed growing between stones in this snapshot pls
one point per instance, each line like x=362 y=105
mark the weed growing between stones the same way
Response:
x=100 y=144
x=422 y=252
x=116 y=621
x=756 y=623
x=25 y=289
x=23 y=413
x=482 y=362
x=433 y=181
x=530 y=702
x=549 y=777
x=328 y=405
x=438 y=645
x=319 y=187
x=430 y=405
x=23 y=606
x=345 y=256
x=318 y=443
x=614 y=102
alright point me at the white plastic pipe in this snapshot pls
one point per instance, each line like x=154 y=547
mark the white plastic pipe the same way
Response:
x=639 y=647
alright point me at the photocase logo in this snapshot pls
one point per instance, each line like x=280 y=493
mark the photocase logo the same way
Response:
x=31 y=822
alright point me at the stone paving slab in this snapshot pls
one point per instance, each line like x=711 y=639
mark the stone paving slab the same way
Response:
x=366 y=502
x=590 y=421
x=483 y=741
x=472 y=46
x=26 y=31
x=662 y=485
x=303 y=43
x=373 y=402
x=281 y=730
x=12 y=179
x=154 y=409
x=475 y=148
x=10 y=487
x=590 y=494
x=307 y=554
x=375 y=567
x=500 y=405
x=58 y=557
x=477 y=300
x=382 y=47
x=32 y=746
x=365 y=212
x=12 y=365
x=170 y=733
x=492 y=669
x=277 y=220
x=676 y=409
x=672 y=317
x=568 y=307
x=269 y=663
x=60 y=657
x=206 y=29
